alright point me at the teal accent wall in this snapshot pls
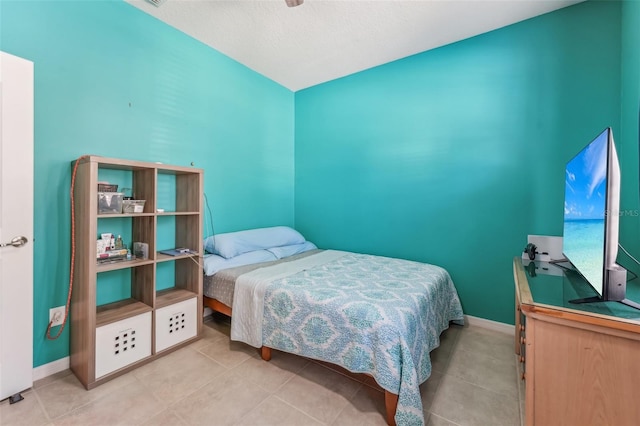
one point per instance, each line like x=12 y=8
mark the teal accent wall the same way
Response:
x=455 y=155
x=111 y=80
x=451 y=156
x=629 y=133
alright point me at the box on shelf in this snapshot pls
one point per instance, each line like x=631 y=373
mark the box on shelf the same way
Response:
x=122 y=343
x=133 y=206
x=141 y=250
x=176 y=323
x=107 y=187
x=110 y=202
x=102 y=246
x=112 y=256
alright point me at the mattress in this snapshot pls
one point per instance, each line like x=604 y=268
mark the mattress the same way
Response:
x=221 y=285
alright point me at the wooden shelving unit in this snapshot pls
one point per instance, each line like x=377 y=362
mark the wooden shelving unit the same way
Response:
x=110 y=338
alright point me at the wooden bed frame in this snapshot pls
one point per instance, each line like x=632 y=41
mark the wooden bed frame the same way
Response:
x=390 y=399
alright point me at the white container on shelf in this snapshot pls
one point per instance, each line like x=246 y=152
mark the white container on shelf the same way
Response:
x=122 y=343
x=175 y=323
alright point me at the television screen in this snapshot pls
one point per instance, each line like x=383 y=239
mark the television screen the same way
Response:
x=584 y=210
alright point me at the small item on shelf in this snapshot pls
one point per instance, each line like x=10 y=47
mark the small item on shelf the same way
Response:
x=124 y=193
x=113 y=253
x=112 y=256
x=141 y=250
x=103 y=246
x=133 y=206
x=107 y=187
x=109 y=203
x=178 y=251
x=109 y=244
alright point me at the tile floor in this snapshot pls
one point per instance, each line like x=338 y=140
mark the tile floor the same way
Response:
x=217 y=382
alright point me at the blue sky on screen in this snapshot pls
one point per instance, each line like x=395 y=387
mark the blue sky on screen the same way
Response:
x=585 y=182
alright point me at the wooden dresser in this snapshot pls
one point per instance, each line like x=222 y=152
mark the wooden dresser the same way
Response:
x=580 y=363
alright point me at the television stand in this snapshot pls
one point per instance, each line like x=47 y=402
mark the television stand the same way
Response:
x=580 y=365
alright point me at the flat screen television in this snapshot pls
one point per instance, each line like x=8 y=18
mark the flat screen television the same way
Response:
x=591 y=219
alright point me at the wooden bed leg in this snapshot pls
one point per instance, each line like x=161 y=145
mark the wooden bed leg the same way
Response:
x=391 y=404
x=265 y=353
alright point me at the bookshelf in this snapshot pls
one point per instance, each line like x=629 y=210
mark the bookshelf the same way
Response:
x=128 y=313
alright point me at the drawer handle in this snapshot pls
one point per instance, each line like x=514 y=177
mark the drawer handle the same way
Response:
x=523 y=376
x=522 y=359
x=522 y=340
x=521 y=327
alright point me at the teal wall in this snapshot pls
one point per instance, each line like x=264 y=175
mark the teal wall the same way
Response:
x=111 y=80
x=454 y=155
x=629 y=137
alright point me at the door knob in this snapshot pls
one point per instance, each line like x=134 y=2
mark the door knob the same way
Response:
x=16 y=242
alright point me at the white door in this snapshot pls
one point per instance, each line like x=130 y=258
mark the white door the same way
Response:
x=16 y=222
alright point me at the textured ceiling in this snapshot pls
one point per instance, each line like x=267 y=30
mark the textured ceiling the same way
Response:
x=326 y=39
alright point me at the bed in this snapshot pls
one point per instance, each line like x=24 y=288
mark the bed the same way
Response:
x=368 y=314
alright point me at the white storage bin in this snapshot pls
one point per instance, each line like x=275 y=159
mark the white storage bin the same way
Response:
x=175 y=323
x=122 y=343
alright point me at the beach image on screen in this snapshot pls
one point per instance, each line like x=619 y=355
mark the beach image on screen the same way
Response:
x=584 y=211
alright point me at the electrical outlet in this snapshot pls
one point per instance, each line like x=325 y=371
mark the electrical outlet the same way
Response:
x=56 y=315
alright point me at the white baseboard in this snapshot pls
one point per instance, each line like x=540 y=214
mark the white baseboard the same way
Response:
x=491 y=325
x=51 y=368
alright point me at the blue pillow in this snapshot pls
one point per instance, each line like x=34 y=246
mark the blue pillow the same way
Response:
x=232 y=244
x=214 y=263
x=290 y=250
